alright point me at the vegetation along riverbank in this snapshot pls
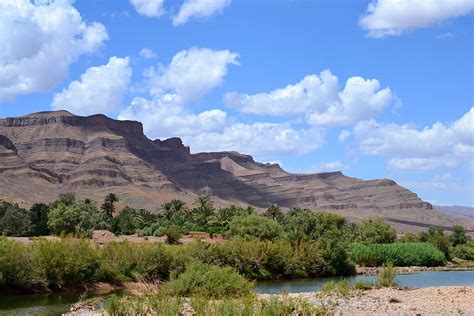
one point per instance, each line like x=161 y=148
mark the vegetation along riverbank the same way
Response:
x=264 y=245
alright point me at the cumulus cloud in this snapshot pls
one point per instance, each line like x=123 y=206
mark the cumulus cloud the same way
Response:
x=318 y=98
x=393 y=17
x=261 y=139
x=147 y=53
x=199 y=9
x=100 y=90
x=39 y=41
x=165 y=116
x=328 y=166
x=440 y=146
x=343 y=136
x=192 y=73
x=149 y=8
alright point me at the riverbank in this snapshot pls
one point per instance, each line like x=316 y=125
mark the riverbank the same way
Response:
x=465 y=266
x=446 y=300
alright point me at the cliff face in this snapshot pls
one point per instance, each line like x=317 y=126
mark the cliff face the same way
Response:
x=44 y=154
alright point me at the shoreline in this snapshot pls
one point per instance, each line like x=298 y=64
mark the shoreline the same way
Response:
x=443 y=300
x=413 y=269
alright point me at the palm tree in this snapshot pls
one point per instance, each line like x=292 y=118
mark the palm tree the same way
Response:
x=203 y=210
x=172 y=208
x=274 y=212
x=108 y=207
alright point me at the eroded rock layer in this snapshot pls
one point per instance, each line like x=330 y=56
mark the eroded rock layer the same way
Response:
x=48 y=153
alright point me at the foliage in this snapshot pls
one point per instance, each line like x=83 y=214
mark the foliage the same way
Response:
x=108 y=207
x=255 y=226
x=340 y=288
x=409 y=237
x=376 y=231
x=209 y=281
x=173 y=234
x=400 y=254
x=458 y=237
x=79 y=218
x=15 y=221
x=386 y=276
x=464 y=251
x=39 y=218
x=274 y=212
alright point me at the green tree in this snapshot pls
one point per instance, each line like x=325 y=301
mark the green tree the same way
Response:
x=255 y=226
x=108 y=207
x=15 y=222
x=376 y=231
x=39 y=218
x=170 y=209
x=274 y=212
x=203 y=210
x=68 y=199
x=79 y=219
x=458 y=237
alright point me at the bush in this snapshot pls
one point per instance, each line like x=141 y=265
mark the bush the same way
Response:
x=400 y=254
x=255 y=226
x=465 y=252
x=173 y=234
x=209 y=281
x=376 y=231
x=458 y=237
x=386 y=276
x=79 y=218
x=15 y=221
x=39 y=218
x=66 y=262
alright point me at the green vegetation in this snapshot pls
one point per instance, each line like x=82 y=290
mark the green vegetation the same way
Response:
x=208 y=281
x=376 y=231
x=255 y=227
x=386 y=277
x=400 y=254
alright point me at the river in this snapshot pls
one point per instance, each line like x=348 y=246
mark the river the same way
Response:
x=57 y=303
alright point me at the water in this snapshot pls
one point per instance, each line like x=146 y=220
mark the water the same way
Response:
x=57 y=303
x=416 y=280
x=52 y=304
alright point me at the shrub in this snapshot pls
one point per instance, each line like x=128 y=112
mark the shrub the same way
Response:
x=458 y=237
x=39 y=218
x=79 y=218
x=340 y=288
x=209 y=281
x=255 y=226
x=66 y=262
x=15 y=221
x=400 y=254
x=376 y=231
x=19 y=267
x=386 y=276
x=465 y=252
x=173 y=234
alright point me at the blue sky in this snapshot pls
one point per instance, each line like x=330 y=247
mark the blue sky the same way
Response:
x=377 y=89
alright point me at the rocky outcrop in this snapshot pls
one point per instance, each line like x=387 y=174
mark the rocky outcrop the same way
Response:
x=47 y=153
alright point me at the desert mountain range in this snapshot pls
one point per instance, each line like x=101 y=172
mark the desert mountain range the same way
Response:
x=48 y=153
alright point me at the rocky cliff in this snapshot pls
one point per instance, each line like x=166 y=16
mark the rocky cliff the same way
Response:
x=47 y=153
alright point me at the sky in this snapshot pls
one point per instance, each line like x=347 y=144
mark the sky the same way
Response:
x=374 y=88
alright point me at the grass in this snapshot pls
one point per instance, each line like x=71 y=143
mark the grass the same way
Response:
x=400 y=254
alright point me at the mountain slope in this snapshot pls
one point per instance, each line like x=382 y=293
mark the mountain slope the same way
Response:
x=44 y=154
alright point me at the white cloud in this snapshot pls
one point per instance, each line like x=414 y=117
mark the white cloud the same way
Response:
x=393 y=17
x=328 y=166
x=192 y=73
x=440 y=146
x=147 y=53
x=199 y=9
x=261 y=139
x=149 y=8
x=100 y=90
x=164 y=117
x=344 y=135
x=318 y=98
x=39 y=42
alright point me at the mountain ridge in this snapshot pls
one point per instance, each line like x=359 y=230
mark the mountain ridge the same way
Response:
x=47 y=153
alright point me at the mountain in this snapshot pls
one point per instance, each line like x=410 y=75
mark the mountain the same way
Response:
x=456 y=211
x=48 y=153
